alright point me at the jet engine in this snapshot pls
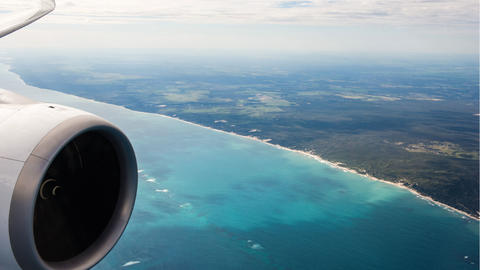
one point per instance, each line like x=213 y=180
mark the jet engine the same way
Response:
x=68 y=181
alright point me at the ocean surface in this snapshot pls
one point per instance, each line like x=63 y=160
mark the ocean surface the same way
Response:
x=210 y=200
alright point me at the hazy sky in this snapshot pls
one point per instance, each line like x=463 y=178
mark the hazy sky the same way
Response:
x=372 y=26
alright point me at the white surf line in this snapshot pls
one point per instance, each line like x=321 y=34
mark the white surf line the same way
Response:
x=316 y=157
x=130 y=263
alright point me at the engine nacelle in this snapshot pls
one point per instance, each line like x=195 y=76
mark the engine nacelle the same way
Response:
x=68 y=181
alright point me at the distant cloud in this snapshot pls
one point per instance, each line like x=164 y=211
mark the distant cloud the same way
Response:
x=70 y=4
x=305 y=12
x=294 y=4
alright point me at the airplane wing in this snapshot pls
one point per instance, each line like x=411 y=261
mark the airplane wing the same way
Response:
x=18 y=20
x=68 y=179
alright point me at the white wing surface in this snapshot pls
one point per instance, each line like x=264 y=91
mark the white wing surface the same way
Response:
x=18 y=20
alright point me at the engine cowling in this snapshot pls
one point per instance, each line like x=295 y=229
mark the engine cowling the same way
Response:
x=68 y=181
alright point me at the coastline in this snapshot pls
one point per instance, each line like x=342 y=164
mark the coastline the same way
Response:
x=267 y=141
x=331 y=164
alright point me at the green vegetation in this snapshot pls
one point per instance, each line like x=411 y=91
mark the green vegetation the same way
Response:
x=441 y=148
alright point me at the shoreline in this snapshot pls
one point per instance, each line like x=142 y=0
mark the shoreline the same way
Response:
x=332 y=164
x=318 y=158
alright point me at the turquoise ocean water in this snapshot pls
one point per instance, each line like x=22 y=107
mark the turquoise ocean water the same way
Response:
x=209 y=200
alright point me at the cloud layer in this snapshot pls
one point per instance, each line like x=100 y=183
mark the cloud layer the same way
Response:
x=314 y=12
